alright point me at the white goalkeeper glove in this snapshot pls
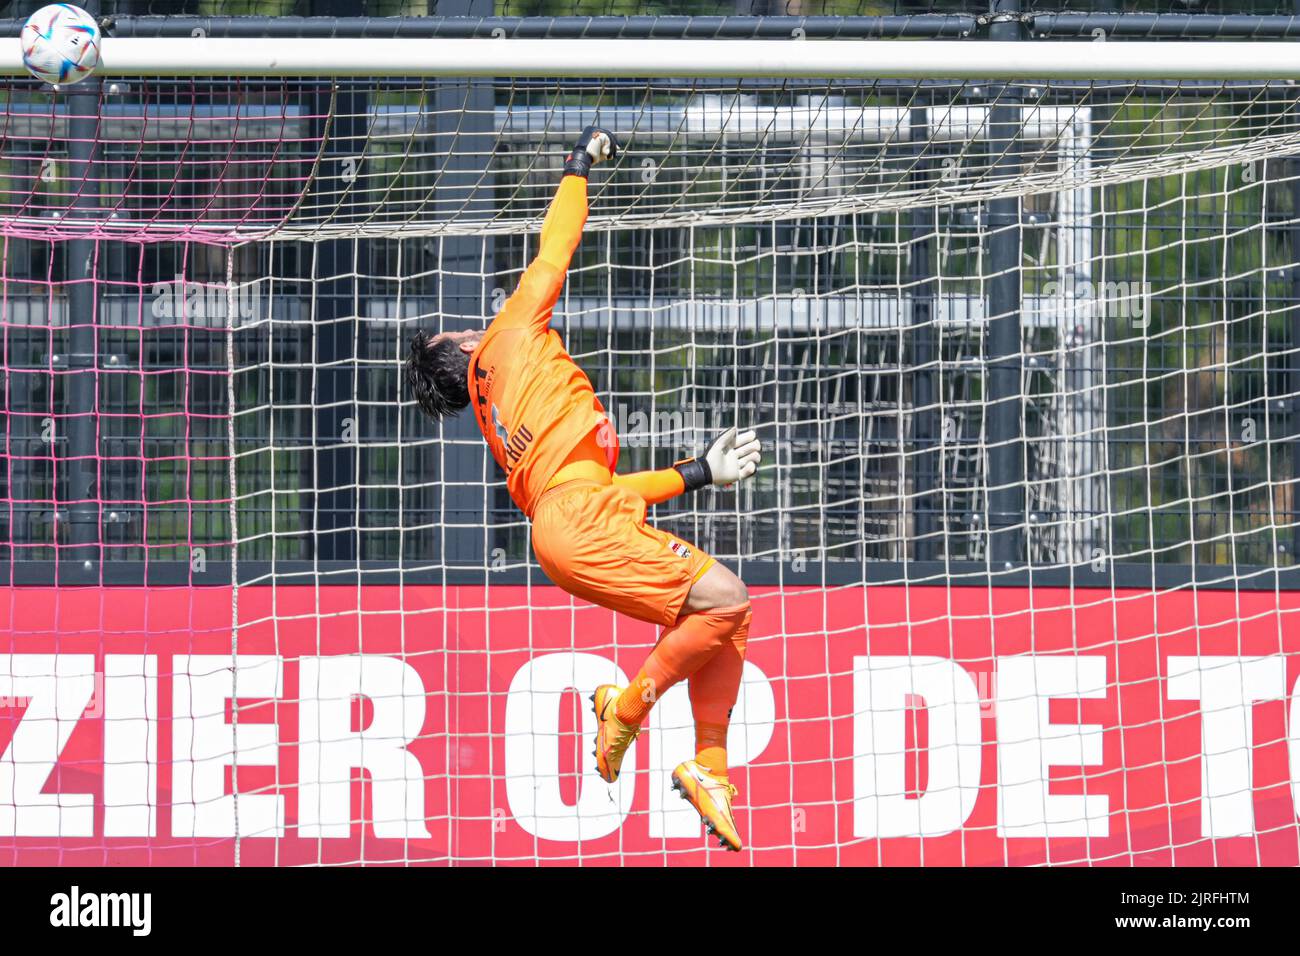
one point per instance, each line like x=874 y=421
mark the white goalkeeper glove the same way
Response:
x=732 y=457
x=595 y=145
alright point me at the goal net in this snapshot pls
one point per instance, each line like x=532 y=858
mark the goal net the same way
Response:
x=1023 y=356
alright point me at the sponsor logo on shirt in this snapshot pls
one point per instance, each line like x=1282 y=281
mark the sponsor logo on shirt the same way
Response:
x=516 y=444
x=500 y=426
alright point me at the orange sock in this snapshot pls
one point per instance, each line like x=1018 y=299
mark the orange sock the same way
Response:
x=713 y=693
x=683 y=649
x=711 y=748
x=636 y=700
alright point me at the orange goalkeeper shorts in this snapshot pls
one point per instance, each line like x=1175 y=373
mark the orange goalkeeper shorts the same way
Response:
x=592 y=540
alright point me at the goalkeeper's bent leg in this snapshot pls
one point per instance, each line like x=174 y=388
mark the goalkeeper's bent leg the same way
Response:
x=713 y=610
x=682 y=650
x=713 y=690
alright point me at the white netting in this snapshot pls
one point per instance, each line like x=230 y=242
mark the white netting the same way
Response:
x=822 y=261
x=230 y=160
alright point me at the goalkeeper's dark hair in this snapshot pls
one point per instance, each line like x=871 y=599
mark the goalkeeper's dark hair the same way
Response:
x=438 y=375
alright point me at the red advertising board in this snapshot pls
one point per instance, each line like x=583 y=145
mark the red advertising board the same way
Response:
x=876 y=726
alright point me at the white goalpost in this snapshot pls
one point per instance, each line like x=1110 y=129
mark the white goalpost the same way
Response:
x=665 y=58
x=1018 y=322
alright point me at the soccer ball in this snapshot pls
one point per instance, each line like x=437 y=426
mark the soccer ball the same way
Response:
x=60 y=43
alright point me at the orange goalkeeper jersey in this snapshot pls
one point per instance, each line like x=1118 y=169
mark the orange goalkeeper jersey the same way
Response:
x=532 y=402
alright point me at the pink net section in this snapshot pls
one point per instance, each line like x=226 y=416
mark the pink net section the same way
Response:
x=133 y=159
x=114 y=397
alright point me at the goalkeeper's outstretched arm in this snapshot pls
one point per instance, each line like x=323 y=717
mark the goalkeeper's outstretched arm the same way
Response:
x=437 y=368
x=539 y=289
x=732 y=457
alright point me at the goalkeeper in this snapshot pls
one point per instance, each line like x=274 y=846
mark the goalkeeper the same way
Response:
x=549 y=433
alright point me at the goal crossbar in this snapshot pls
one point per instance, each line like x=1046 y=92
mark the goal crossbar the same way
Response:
x=663 y=59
